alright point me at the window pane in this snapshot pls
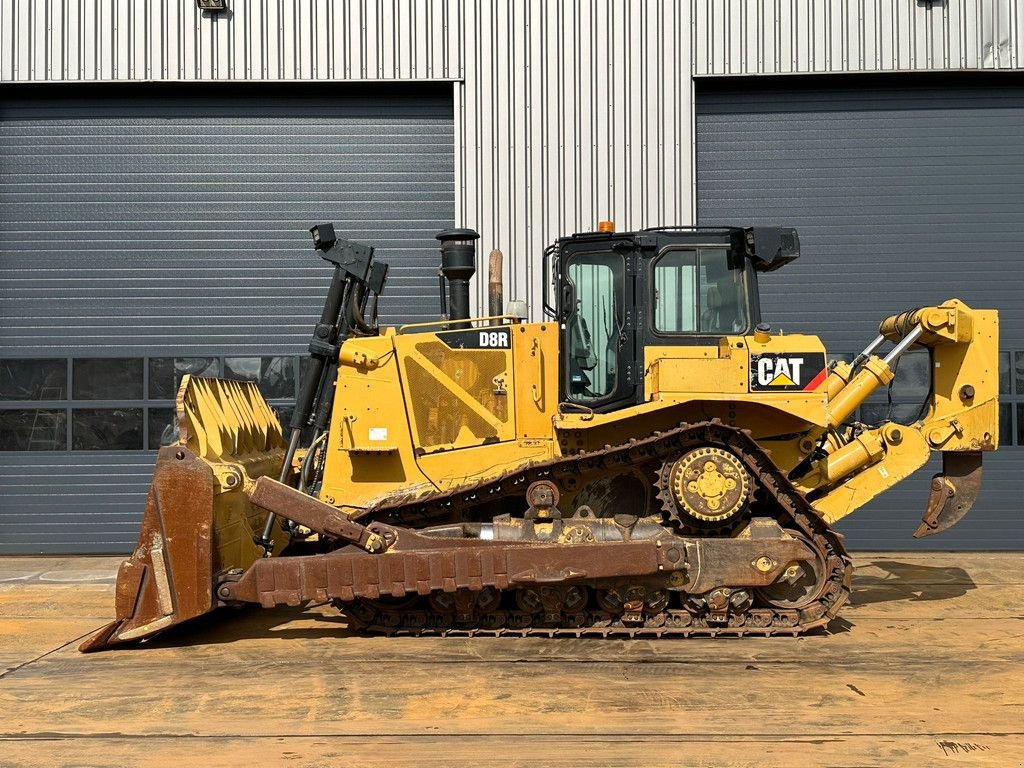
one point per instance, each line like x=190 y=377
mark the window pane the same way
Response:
x=275 y=375
x=1018 y=365
x=163 y=427
x=723 y=303
x=595 y=325
x=1004 y=373
x=33 y=379
x=675 y=292
x=33 y=430
x=1006 y=425
x=107 y=379
x=284 y=415
x=1020 y=424
x=106 y=429
x=913 y=377
x=165 y=373
x=901 y=413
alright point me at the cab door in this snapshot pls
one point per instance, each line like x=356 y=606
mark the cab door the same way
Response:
x=598 y=326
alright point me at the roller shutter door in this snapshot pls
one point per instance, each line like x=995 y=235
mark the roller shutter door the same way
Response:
x=904 y=194
x=147 y=233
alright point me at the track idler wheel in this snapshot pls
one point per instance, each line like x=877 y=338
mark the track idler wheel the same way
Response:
x=800 y=584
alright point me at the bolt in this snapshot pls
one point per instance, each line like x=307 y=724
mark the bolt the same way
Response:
x=224 y=591
x=966 y=392
x=764 y=564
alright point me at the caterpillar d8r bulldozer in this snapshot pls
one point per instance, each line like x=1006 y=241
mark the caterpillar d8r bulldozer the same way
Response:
x=651 y=459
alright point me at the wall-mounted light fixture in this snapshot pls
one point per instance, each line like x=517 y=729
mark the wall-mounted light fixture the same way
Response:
x=213 y=6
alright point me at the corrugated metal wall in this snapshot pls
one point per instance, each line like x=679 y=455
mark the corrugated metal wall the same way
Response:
x=750 y=37
x=45 y=40
x=166 y=223
x=572 y=112
x=904 y=193
x=566 y=112
x=187 y=206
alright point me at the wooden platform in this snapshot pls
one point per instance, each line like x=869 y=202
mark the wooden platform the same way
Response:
x=927 y=668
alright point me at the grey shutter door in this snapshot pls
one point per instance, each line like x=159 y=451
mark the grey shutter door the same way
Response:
x=903 y=196
x=175 y=224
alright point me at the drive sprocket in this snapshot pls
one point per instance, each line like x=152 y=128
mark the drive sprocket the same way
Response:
x=705 y=488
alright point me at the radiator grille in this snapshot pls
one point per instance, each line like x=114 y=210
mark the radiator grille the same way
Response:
x=438 y=394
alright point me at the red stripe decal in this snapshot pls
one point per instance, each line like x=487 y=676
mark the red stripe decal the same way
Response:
x=816 y=381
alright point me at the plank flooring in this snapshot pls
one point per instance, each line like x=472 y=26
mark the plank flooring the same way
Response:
x=925 y=667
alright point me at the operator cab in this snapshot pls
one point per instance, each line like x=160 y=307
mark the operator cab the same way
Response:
x=617 y=293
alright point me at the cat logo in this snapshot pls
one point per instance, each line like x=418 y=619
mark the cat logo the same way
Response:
x=773 y=372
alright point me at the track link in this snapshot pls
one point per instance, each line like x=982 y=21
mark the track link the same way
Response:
x=791 y=508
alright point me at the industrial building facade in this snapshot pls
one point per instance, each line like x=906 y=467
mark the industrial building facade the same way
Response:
x=160 y=166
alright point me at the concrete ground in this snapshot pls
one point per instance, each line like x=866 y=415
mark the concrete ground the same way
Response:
x=925 y=668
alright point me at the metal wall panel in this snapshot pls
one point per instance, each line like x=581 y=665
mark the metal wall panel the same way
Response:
x=571 y=112
x=82 y=40
x=176 y=226
x=82 y=503
x=567 y=112
x=903 y=195
x=173 y=214
x=753 y=37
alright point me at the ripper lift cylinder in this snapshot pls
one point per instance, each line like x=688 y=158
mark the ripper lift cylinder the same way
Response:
x=874 y=373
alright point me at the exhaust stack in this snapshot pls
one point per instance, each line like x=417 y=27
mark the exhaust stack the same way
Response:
x=494 y=286
x=458 y=265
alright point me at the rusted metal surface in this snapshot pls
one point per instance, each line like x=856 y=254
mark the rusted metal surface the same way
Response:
x=495 y=291
x=168 y=579
x=348 y=575
x=953 y=492
x=292 y=504
x=795 y=610
x=446 y=565
x=555 y=578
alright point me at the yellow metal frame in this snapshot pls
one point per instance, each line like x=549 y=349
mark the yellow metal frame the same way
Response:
x=374 y=451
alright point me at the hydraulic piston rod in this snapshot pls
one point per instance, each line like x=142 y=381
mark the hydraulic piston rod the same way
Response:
x=875 y=372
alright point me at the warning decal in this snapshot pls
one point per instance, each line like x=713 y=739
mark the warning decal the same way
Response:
x=790 y=372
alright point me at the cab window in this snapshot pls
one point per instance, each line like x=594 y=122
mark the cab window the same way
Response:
x=696 y=292
x=594 y=325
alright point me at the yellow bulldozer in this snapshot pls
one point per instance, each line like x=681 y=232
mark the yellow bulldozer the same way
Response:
x=651 y=459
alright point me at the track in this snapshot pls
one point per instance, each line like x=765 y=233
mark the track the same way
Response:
x=578 y=607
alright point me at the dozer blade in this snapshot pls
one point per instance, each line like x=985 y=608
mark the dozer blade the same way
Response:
x=953 y=492
x=198 y=520
x=168 y=578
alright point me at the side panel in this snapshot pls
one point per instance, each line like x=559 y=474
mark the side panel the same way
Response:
x=536 y=354
x=457 y=387
x=784 y=373
x=370 y=450
x=444 y=409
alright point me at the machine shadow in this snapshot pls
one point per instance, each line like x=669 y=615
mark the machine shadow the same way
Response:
x=228 y=625
x=908 y=581
x=251 y=622
x=898 y=581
